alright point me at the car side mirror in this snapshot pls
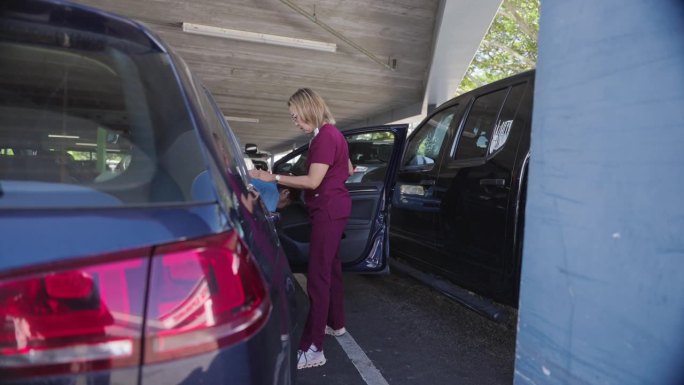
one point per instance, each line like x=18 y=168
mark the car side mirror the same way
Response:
x=251 y=148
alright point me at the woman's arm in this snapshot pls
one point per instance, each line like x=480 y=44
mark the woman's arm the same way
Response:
x=310 y=181
x=351 y=168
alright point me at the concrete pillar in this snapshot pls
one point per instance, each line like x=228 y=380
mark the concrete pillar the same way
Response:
x=602 y=291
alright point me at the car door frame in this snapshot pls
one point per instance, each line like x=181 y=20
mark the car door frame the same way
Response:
x=412 y=244
x=374 y=257
x=506 y=263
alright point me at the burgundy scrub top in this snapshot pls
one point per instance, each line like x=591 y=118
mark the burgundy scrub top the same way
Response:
x=331 y=197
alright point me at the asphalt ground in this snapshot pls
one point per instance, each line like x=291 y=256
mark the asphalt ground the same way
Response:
x=402 y=332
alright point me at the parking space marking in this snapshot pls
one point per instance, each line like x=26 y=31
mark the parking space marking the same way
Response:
x=358 y=357
x=370 y=374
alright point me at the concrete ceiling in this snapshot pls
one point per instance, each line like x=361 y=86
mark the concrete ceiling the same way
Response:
x=254 y=80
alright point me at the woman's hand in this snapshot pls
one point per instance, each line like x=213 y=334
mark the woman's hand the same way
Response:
x=262 y=175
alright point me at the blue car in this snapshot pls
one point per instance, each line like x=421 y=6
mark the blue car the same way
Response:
x=132 y=249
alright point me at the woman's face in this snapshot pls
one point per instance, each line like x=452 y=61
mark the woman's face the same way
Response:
x=297 y=120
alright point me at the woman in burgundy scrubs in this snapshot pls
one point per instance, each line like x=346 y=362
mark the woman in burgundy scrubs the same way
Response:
x=329 y=205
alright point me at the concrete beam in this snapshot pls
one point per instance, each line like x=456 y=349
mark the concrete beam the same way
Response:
x=411 y=112
x=460 y=29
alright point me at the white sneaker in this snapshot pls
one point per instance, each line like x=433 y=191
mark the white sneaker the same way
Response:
x=310 y=358
x=335 y=332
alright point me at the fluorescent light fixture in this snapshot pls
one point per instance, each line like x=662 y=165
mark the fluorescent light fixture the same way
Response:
x=86 y=144
x=240 y=119
x=206 y=30
x=64 y=136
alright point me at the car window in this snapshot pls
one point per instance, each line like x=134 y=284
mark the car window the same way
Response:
x=424 y=146
x=504 y=124
x=477 y=130
x=369 y=154
x=294 y=166
x=79 y=120
x=228 y=156
x=249 y=163
x=260 y=164
x=231 y=162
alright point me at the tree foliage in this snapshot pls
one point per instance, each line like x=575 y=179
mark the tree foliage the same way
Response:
x=509 y=47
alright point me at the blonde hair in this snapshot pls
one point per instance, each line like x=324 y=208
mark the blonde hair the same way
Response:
x=311 y=107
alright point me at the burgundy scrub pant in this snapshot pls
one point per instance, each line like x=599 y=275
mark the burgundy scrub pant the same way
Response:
x=324 y=280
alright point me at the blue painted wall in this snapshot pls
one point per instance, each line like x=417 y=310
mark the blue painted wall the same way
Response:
x=602 y=291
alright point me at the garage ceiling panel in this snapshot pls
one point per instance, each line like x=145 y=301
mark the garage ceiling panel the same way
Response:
x=255 y=80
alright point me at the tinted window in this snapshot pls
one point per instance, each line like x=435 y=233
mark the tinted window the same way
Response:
x=294 y=166
x=231 y=165
x=228 y=155
x=477 y=130
x=100 y=118
x=424 y=145
x=260 y=164
x=504 y=124
x=369 y=154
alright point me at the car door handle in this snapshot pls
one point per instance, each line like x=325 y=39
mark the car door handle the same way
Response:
x=427 y=182
x=493 y=182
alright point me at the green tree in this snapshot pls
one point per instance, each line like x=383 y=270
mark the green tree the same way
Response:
x=509 y=47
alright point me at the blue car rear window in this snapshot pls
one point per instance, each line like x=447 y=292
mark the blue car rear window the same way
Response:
x=84 y=114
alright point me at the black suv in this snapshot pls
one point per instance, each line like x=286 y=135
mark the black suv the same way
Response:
x=458 y=205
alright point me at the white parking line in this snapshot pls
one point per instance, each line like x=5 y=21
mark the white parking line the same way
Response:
x=370 y=374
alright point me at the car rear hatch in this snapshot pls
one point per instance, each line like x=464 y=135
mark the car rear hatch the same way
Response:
x=98 y=146
x=112 y=236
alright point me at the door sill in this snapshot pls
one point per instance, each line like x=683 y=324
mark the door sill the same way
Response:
x=470 y=300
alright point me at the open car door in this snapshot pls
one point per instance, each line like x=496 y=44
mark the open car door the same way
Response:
x=375 y=153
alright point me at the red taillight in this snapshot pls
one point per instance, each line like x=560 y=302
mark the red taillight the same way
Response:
x=75 y=319
x=69 y=285
x=201 y=295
